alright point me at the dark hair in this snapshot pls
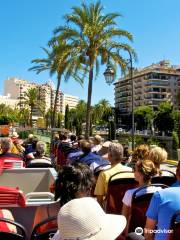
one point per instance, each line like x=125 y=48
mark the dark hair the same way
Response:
x=73 y=138
x=72 y=178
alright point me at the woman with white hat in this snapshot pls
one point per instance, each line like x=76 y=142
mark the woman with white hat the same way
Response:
x=84 y=219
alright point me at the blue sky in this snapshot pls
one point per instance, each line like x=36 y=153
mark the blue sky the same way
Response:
x=25 y=26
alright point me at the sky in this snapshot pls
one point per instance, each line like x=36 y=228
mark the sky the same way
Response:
x=27 y=25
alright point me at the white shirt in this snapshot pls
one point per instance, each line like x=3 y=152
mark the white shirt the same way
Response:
x=127 y=199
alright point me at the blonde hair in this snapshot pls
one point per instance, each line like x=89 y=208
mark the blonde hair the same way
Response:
x=147 y=168
x=158 y=155
x=141 y=152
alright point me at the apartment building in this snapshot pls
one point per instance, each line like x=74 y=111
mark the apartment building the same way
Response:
x=152 y=85
x=69 y=100
x=15 y=88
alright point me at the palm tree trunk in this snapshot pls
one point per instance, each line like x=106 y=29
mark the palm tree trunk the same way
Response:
x=55 y=101
x=88 y=112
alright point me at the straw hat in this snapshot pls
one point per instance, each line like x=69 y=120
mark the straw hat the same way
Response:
x=83 y=218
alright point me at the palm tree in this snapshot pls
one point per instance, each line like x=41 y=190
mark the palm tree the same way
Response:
x=101 y=111
x=60 y=60
x=94 y=34
x=30 y=99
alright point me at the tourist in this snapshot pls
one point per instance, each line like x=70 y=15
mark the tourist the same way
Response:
x=83 y=218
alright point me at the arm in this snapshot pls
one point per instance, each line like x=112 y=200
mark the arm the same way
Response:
x=152 y=216
x=126 y=211
x=100 y=190
x=148 y=230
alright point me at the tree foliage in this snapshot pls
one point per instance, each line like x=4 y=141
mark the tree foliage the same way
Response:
x=164 y=119
x=143 y=117
x=93 y=34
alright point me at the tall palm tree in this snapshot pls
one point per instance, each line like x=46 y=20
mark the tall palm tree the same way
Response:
x=60 y=60
x=101 y=111
x=30 y=99
x=94 y=34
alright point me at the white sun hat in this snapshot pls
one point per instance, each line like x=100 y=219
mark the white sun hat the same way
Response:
x=83 y=218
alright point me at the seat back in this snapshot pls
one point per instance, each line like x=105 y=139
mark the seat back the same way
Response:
x=11 y=197
x=39 y=163
x=116 y=190
x=175 y=226
x=139 y=206
x=29 y=179
x=167 y=177
x=13 y=164
x=45 y=229
x=100 y=168
x=21 y=231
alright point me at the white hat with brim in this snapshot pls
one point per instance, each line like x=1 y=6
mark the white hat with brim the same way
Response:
x=84 y=219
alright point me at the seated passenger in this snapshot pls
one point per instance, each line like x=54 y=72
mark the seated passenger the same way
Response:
x=115 y=156
x=158 y=155
x=39 y=156
x=6 y=227
x=73 y=181
x=83 y=218
x=143 y=172
x=97 y=141
x=103 y=152
x=91 y=159
x=6 y=154
x=163 y=205
x=141 y=152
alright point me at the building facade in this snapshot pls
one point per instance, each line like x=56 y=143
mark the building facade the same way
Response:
x=15 y=89
x=152 y=85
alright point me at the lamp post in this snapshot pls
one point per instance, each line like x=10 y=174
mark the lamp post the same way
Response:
x=109 y=77
x=112 y=128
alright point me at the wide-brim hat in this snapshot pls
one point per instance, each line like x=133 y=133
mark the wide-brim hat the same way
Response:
x=84 y=219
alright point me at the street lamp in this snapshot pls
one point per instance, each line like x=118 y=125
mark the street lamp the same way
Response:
x=109 y=74
x=109 y=77
x=112 y=128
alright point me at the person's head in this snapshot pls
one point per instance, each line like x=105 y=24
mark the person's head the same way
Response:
x=6 y=145
x=178 y=172
x=115 y=152
x=144 y=170
x=84 y=219
x=85 y=146
x=73 y=138
x=73 y=181
x=40 y=148
x=158 y=155
x=141 y=152
x=56 y=136
x=15 y=135
x=63 y=135
x=104 y=149
x=97 y=140
x=30 y=137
